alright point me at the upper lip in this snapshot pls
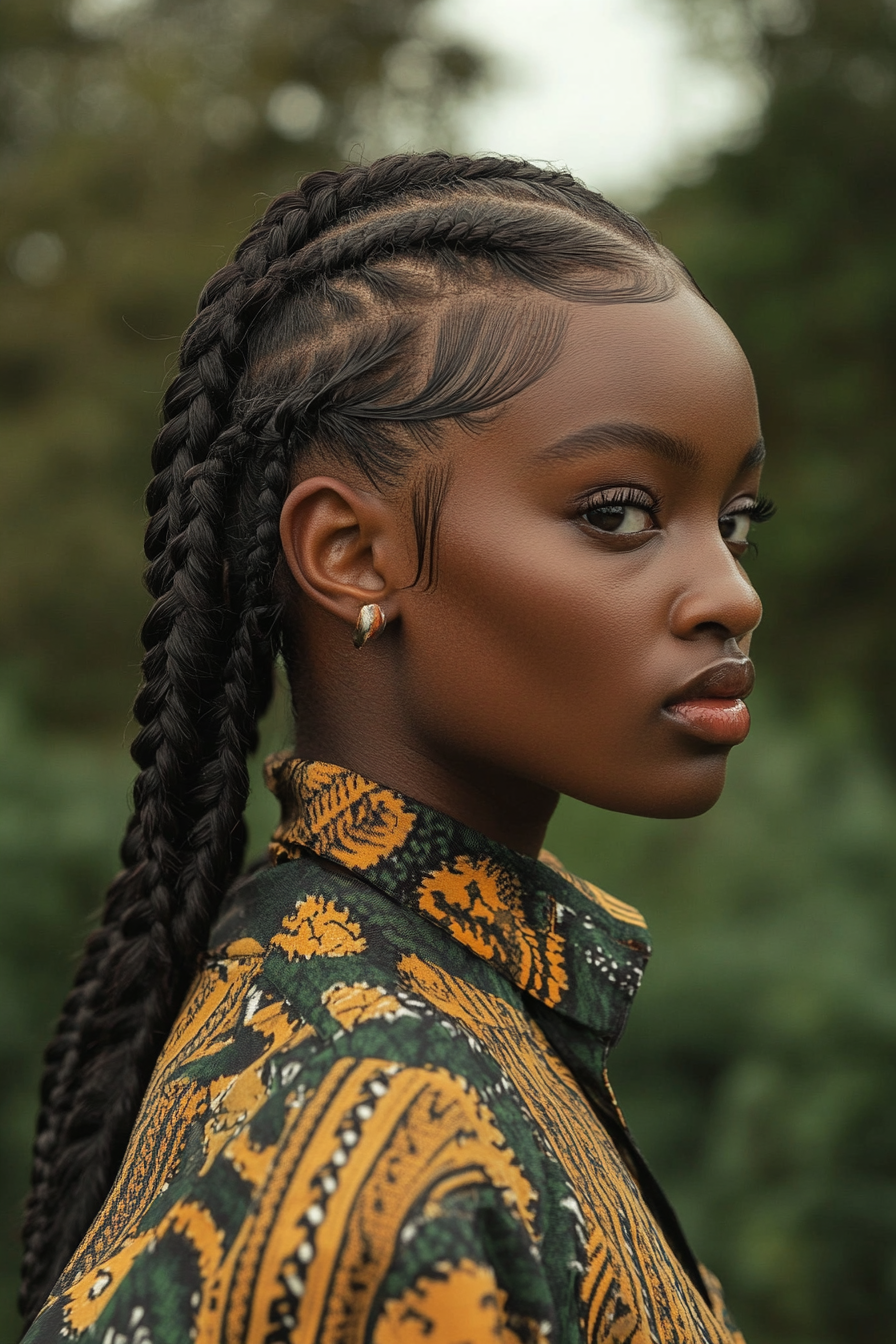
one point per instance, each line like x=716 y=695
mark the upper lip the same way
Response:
x=729 y=679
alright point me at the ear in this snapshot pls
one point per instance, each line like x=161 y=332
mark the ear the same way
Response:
x=343 y=546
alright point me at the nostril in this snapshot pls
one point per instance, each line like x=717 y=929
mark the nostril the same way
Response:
x=714 y=628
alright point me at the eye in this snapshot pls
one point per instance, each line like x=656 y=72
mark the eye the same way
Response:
x=736 y=523
x=735 y=527
x=622 y=514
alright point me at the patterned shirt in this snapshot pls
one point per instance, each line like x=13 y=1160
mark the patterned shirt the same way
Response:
x=383 y=1115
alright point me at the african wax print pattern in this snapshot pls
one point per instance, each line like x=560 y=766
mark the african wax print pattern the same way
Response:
x=383 y=1113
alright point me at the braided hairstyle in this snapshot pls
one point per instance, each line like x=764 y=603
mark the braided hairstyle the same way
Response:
x=352 y=319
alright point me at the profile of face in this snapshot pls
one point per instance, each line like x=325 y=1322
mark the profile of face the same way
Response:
x=589 y=626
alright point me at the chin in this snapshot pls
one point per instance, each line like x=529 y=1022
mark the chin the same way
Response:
x=679 y=809
x=668 y=793
x=698 y=788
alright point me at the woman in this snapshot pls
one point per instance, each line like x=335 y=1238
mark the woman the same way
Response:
x=461 y=442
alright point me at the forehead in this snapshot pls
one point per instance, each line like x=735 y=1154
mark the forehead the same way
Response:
x=672 y=365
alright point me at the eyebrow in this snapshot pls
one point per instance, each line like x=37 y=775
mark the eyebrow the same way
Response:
x=622 y=434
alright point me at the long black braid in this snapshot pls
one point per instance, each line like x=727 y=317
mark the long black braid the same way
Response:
x=306 y=337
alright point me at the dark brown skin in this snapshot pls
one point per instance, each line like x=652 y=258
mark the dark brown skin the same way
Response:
x=546 y=657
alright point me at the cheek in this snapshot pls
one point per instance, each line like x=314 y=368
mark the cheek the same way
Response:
x=533 y=641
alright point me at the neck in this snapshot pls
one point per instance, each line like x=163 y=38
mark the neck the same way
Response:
x=364 y=731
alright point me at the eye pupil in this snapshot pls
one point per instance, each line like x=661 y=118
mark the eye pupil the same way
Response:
x=608 y=517
x=735 y=527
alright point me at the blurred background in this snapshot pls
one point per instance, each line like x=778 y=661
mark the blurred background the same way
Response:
x=758 y=137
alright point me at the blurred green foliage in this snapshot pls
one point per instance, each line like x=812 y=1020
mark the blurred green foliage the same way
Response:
x=137 y=141
x=61 y=805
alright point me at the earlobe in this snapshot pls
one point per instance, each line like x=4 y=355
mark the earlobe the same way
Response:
x=339 y=544
x=370 y=624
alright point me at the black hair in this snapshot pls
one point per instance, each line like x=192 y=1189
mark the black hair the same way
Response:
x=365 y=307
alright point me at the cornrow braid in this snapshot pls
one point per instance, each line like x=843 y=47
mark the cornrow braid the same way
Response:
x=311 y=335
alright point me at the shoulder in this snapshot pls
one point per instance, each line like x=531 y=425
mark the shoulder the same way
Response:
x=347 y=961
x=338 y=1206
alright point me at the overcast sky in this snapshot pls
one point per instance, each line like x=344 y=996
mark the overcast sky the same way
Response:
x=608 y=87
x=612 y=89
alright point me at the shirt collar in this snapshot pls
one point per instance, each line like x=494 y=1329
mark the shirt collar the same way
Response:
x=573 y=948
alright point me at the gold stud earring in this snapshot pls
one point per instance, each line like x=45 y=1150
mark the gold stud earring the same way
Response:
x=371 y=624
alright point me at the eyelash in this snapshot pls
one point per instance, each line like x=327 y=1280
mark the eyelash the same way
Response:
x=624 y=494
x=760 y=511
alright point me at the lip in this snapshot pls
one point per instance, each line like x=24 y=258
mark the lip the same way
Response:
x=711 y=705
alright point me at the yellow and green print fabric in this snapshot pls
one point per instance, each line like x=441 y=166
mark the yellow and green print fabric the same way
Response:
x=383 y=1115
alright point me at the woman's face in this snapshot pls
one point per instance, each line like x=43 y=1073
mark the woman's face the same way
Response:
x=590 y=624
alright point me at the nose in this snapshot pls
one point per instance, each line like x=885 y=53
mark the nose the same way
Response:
x=716 y=598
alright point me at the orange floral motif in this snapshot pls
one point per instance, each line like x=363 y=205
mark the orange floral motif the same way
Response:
x=353 y=1004
x=358 y=823
x=462 y=1305
x=471 y=896
x=319 y=928
x=480 y=902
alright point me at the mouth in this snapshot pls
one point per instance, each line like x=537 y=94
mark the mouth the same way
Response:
x=711 y=705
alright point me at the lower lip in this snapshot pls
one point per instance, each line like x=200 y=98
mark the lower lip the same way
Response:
x=722 y=722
